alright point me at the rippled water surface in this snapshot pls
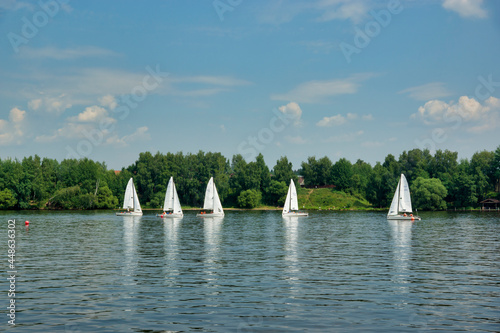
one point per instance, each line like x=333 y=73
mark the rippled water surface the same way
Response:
x=254 y=272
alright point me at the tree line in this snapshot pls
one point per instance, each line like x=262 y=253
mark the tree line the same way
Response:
x=438 y=181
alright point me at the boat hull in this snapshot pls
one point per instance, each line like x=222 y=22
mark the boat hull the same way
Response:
x=209 y=215
x=129 y=214
x=292 y=214
x=166 y=216
x=403 y=218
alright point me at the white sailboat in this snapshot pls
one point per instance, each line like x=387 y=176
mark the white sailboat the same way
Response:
x=401 y=203
x=212 y=202
x=291 y=207
x=172 y=205
x=131 y=201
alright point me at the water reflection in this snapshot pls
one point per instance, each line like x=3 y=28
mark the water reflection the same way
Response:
x=401 y=237
x=171 y=231
x=291 y=252
x=130 y=230
x=212 y=231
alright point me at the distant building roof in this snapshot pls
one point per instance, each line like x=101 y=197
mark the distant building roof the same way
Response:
x=493 y=201
x=117 y=172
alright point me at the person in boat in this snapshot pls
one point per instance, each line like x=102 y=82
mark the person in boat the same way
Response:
x=404 y=214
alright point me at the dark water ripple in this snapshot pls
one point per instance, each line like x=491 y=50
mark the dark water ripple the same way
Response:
x=255 y=272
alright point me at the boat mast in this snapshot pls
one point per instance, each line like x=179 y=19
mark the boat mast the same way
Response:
x=399 y=192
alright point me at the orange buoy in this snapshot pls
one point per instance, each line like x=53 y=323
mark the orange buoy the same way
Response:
x=26 y=222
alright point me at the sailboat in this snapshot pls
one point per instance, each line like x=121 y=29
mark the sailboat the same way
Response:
x=172 y=205
x=291 y=207
x=131 y=201
x=212 y=202
x=401 y=203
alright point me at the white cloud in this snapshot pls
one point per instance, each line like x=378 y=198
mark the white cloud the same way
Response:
x=466 y=8
x=16 y=115
x=140 y=134
x=293 y=111
x=92 y=113
x=211 y=80
x=71 y=87
x=339 y=119
x=64 y=54
x=354 y=10
x=15 y=5
x=108 y=101
x=475 y=116
x=55 y=105
x=336 y=120
x=12 y=130
x=427 y=91
x=283 y=11
x=318 y=91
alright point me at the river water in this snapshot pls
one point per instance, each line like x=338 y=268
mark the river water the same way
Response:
x=253 y=272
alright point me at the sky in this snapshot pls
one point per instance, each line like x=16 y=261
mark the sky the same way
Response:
x=356 y=79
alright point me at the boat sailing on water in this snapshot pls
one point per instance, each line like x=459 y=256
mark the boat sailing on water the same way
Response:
x=401 y=203
x=131 y=201
x=212 y=206
x=172 y=205
x=291 y=207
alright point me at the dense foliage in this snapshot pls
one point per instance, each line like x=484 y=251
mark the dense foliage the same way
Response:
x=437 y=181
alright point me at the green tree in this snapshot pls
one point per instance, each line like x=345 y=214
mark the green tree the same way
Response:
x=494 y=171
x=249 y=199
x=283 y=171
x=342 y=174
x=362 y=172
x=463 y=192
x=7 y=199
x=276 y=193
x=428 y=194
x=105 y=198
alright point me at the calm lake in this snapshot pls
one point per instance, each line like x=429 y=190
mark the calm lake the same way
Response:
x=253 y=272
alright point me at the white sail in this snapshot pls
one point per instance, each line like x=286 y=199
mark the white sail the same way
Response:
x=217 y=204
x=171 y=203
x=137 y=205
x=131 y=200
x=128 y=199
x=294 y=203
x=401 y=202
x=286 y=207
x=212 y=201
x=169 y=196
x=395 y=202
x=291 y=206
x=209 y=195
x=405 y=200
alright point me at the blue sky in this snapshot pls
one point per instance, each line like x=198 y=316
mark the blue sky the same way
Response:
x=357 y=79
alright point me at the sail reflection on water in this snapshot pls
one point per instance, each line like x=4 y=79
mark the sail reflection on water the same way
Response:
x=291 y=225
x=130 y=230
x=212 y=231
x=401 y=248
x=171 y=232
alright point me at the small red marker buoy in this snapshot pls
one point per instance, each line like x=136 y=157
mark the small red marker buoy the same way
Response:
x=26 y=222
